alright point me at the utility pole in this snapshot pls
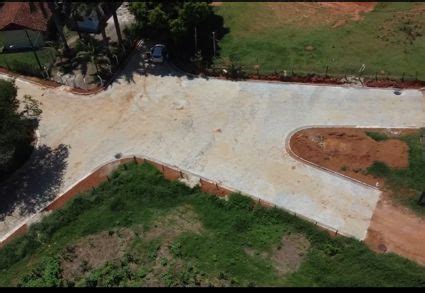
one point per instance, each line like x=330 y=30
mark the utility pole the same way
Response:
x=33 y=50
x=213 y=36
x=196 y=41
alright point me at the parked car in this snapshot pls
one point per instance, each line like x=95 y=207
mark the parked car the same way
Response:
x=158 y=53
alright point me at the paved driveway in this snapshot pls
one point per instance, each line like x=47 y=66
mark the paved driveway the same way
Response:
x=230 y=132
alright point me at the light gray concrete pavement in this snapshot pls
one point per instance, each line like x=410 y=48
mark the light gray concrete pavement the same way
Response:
x=229 y=132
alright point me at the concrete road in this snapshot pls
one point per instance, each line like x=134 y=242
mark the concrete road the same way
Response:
x=230 y=132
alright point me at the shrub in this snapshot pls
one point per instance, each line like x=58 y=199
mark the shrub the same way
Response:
x=379 y=169
x=239 y=201
x=377 y=135
x=46 y=274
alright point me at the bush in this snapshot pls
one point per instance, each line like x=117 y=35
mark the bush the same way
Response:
x=379 y=169
x=46 y=274
x=239 y=201
x=377 y=135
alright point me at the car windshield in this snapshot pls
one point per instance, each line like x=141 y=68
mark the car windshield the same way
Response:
x=157 y=52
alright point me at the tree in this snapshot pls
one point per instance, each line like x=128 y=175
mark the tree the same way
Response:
x=56 y=12
x=175 y=21
x=15 y=126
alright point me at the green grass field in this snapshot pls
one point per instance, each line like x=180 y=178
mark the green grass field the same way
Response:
x=24 y=62
x=391 y=39
x=163 y=233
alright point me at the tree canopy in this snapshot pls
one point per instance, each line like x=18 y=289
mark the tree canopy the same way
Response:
x=171 y=21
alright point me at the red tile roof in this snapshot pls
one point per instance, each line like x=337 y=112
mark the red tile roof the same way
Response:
x=18 y=15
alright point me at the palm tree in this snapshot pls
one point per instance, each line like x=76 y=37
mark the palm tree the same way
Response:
x=93 y=52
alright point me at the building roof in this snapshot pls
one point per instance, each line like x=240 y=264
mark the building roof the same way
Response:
x=22 y=15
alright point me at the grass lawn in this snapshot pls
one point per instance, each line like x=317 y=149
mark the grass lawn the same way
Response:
x=26 y=60
x=140 y=229
x=390 y=38
x=408 y=183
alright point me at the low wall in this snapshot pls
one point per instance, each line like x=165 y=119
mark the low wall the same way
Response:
x=102 y=173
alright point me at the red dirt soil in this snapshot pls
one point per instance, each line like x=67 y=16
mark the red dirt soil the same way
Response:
x=349 y=8
x=396 y=229
x=348 y=151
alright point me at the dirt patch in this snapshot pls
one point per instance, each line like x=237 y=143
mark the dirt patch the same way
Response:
x=394 y=228
x=350 y=151
x=288 y=255
x=329 y=13
x=93 y=252
x=352 y=9
x=182 y=219
x=168 y=228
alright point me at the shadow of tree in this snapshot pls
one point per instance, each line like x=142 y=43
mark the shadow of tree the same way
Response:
x=36 y=183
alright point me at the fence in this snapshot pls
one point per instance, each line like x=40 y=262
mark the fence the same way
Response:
x=351 y=74
x=102 y=173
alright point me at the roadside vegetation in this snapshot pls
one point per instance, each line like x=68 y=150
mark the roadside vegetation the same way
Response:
x=269 y=37
x=140 y=229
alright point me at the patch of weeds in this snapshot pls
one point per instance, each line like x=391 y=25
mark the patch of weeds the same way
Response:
x=377 y=136
x=46 y=274
x=344 y=168
x=164 y=261
x=153 y=250
x=176 y=249
x=379 y=169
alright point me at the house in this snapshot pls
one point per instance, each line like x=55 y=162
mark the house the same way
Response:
x=23 y=23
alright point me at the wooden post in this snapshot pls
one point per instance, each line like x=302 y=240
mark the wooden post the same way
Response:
x=402 y=77
x=213 y=36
